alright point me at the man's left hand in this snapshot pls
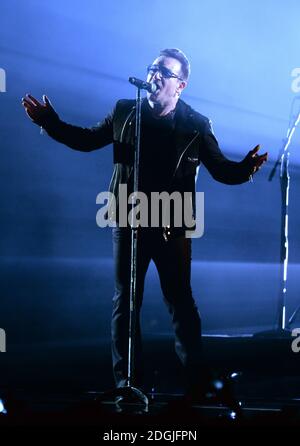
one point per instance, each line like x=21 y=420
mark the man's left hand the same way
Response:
x=254 y=160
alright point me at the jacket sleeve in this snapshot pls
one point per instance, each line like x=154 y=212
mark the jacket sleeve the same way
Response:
x=79 y=138
x=221 y=168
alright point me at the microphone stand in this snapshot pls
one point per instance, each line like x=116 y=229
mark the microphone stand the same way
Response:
x=130 y=388
x=130 y=393
x=282 y=329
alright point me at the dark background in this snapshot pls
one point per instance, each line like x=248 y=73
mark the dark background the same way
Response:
x=56 y=264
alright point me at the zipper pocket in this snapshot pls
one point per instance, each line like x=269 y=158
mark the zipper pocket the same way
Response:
x=180 y=158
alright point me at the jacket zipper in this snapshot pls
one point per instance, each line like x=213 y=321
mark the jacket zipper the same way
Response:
x=180 y=158
x=166 y=229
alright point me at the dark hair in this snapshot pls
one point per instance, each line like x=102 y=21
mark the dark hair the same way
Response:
x=181 y=57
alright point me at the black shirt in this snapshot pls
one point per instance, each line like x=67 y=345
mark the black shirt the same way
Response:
x=157 y=160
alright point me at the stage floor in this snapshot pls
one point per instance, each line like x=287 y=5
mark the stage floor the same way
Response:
x=56 y=385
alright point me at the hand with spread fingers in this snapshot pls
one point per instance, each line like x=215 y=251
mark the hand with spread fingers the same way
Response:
x=254 y=160
x=38 y=112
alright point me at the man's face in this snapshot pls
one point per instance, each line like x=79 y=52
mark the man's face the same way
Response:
x=169 y=88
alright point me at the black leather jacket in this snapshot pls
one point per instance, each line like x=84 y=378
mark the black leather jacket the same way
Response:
x=194 y=143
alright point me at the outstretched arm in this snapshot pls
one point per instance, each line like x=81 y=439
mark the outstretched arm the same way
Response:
x=78 y=138
x=224 y=170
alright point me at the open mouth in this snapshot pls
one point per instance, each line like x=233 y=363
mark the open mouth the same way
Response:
x=158 y=87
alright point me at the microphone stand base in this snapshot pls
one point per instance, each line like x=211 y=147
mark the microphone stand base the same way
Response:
x=125 y=394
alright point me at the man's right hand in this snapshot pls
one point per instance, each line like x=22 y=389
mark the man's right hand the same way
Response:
x=39 y=112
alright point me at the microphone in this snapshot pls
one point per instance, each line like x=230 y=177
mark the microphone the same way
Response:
x=143 y=85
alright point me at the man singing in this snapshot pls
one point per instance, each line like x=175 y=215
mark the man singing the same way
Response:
x=175 y=139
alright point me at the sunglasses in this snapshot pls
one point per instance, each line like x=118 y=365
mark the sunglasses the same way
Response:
x=164 y=71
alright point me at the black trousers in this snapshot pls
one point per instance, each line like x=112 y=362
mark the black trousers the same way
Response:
x=173 y=262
